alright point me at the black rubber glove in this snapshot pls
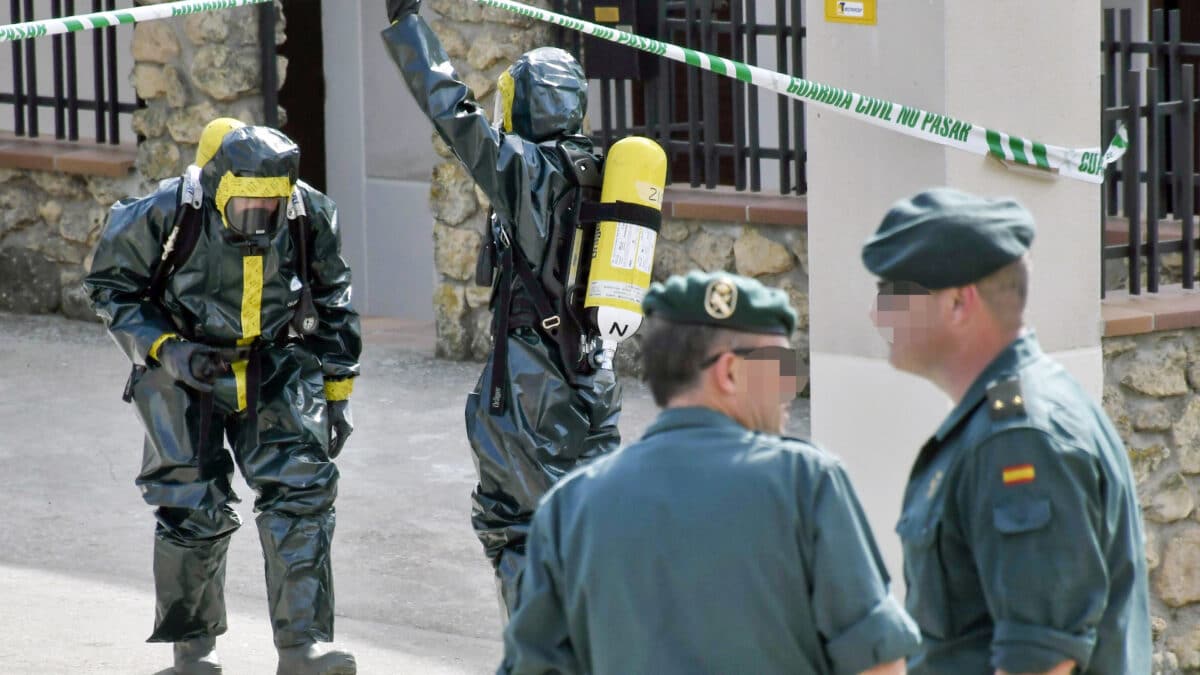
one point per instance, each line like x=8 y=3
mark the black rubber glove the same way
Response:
x=341 y=424
x=194 y=365
x=398 y=9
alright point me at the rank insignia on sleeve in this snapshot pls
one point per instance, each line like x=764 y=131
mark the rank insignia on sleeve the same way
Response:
x=1016 y=475
x=1005 y=399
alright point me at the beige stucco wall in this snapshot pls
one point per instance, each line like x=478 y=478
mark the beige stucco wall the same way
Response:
x=958 y=58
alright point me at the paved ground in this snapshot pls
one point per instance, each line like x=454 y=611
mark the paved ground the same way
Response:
x=414 y=593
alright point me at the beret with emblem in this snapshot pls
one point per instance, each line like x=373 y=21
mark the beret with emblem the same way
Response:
x=723 y=300
x=944 y=238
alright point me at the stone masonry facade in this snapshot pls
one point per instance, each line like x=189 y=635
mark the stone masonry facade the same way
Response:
x=188 y=71
x=1152 y=394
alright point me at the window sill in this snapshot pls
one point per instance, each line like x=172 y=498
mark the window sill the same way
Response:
x=80 y=158
x=726 y=205
x=1172 y=308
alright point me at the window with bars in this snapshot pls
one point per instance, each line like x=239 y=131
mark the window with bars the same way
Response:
x=72 y=87
x=717 y=131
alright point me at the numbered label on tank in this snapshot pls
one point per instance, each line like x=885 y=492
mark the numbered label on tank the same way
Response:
x=613 y=290
x=633 y=246
x=645 y=256
x=649 y=192
x=625 y=246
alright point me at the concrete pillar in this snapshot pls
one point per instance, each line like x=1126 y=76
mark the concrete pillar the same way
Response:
x=1025 y=67
x=345 y=145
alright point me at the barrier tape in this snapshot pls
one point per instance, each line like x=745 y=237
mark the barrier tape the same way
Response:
x=80 y=22
x=1085 y=164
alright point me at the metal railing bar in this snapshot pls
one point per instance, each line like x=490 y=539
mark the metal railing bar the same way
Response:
x=753 y=31
x=785 y=173
x=72 y=82
x=31 y=77
x=56 y=46
x=111 y=69
x=18 y=74
x=98 y=76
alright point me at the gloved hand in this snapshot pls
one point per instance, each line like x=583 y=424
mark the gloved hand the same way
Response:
x=195 y=365
x=398 y=9
x=341 y=424
x=401 y=9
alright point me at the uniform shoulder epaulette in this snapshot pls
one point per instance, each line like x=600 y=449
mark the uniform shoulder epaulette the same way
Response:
x=1004 y=399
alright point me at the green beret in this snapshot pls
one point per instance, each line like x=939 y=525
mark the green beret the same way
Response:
x=723 y=300
x=945 y=238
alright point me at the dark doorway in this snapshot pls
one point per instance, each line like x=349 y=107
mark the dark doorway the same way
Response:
x=303 y=92
x=1189 y=17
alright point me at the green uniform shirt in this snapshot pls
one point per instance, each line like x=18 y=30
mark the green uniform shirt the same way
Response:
x=1023 y=542
x=705 y=548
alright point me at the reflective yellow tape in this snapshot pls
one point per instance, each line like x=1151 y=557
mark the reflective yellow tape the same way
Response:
x=153 y=353
x=338 y=390
x=507 y=88
x=239 y=376
x=252 y=288
x=249 y=186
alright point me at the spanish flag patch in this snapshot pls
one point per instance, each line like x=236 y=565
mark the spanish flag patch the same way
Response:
x=1021 y=473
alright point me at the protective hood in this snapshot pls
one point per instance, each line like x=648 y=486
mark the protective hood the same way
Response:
x=251 y=161
x=543 y=95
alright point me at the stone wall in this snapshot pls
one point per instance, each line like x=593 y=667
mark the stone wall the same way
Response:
x=1152 y=394
x=49 y=223
x=189 y=71
x=775 y=255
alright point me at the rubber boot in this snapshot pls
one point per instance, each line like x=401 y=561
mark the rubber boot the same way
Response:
x=312 y=658
x=197 y=657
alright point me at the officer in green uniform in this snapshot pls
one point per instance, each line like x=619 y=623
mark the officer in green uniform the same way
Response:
x=227 y=289
x=713 y=544
x=1023 y=544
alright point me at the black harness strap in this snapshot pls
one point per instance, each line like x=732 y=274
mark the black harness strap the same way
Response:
x=253 y=380
x=496 y=399
x=622 y=212
x=203 y=454
x=512 y=261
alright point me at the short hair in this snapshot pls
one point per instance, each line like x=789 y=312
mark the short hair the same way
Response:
x=672 y=354
x=1006 y=291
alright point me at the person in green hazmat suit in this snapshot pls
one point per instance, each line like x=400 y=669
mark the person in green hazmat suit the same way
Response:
x=535 y=414
x=227 y=289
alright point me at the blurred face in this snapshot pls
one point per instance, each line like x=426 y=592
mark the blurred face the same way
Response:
x=908 y=316
x=761 y=373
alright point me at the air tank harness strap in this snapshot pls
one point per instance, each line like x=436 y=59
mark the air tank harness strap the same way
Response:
x=252 y=355
x=621 y=212
x=511 y=261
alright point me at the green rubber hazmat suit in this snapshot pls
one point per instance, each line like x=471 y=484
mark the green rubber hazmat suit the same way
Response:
x=266 y=250
x=532 y=417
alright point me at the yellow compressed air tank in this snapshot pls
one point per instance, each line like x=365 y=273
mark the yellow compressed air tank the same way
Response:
x=635 y=172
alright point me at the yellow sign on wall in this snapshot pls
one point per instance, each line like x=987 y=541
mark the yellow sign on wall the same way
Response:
x=850 y=11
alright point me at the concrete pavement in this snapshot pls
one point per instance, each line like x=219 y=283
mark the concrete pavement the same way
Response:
x=414 y=592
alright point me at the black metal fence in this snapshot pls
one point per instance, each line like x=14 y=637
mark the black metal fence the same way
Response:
x=710 y=125
x=1154 y=186
x=27 y=97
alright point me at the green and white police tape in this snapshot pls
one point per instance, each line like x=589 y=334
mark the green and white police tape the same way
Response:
x=79 y=22
x=1085 y=164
